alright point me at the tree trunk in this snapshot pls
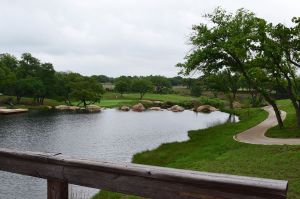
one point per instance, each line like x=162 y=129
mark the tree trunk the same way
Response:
x=267 y=98
x=298 y=116
x=277 y=113
x=18 y=99
x=230 y=99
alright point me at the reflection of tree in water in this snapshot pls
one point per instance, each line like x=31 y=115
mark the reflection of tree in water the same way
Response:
x=231 y=118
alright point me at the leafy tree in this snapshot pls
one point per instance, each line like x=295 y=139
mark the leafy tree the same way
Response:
x=7 y=80
x=8 y=64
x=46 y=74
x=142 y=86
x=188 y=82
x=123 y=84
x=64 y=84
x=30 y=87
x=103 y=78
x=230 y=42
x=28 y=66
x=225 y=82
x=276 y=60
x=87 y=91
x=9 y=61
x=160 y=83
x=197 y=88
x=176 y=81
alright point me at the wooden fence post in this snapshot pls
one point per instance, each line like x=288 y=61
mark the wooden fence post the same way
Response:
x=57 y=189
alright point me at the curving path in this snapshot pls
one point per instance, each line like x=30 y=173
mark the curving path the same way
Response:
x=256 y=134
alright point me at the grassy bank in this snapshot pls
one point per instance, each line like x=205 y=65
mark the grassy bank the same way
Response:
x=115 y=100
x=111 y=100
x=290 y=129
x=214 y=150
x=28 y=103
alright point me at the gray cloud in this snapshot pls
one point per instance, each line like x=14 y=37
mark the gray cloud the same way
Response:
x=131 y=37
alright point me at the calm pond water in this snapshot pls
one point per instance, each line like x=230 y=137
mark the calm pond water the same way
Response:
x=109 y=136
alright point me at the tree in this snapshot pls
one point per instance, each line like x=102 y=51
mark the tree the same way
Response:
x=225 y=82
x=197 y=88
x=28 y=66
x=103 y=78
x=176 y=81
x=123 y=85
x=8 y=64
x=46 y=74
x=276 y=58
x=87 y=91
x=230 y=42
x=142 y=86
x=161 y=84
x=30 y=87
x=64 y=84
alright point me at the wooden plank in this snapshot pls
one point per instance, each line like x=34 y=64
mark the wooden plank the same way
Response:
x=57 y=189
x=142 y=180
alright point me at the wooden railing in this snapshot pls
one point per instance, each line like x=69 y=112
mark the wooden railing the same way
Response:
x=140 y=180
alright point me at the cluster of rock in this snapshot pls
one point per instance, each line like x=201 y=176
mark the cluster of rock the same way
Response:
x=175 y=108
x=140 y=107
x=89 y=108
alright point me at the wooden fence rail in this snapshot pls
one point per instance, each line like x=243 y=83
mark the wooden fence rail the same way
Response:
x=140 y=180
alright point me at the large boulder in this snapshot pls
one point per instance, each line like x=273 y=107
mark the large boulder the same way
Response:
x=93 y=108
x=138 y=107
x=124 y=108
x=205 y=109
x=155 y=108
x=176 y=108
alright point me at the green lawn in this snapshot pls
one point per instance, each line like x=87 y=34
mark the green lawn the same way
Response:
x=149 y=96
x=115 y=99
x=111 y=99
x=27 y=103
x=290 y=130
x=214 y=150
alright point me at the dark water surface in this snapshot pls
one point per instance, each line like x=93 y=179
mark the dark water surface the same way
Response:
x=109 y=136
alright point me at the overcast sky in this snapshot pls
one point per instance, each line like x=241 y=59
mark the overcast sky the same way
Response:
x=116 y=37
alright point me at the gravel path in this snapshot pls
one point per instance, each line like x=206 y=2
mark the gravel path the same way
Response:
x=256 y=134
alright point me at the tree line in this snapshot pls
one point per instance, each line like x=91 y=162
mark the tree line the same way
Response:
x=243 y=46
x=29 y=77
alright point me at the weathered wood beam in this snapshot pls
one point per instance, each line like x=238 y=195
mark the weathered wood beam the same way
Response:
x=141 y=180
